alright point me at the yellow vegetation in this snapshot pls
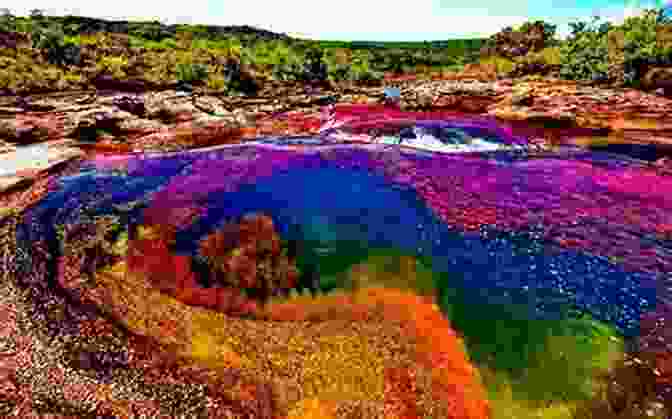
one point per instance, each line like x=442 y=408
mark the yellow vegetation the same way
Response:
x=502 y=65
x=312 y=409
x=216 y=81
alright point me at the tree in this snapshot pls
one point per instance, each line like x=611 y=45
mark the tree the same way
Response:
x=37 y=14
x=664 y=15
x=6 y=20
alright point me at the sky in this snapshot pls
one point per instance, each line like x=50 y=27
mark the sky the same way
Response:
x=350 y=20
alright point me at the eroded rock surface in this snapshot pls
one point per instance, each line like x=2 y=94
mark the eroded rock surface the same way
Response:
x=171 y=121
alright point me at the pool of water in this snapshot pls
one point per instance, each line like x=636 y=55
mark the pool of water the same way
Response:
x=528 y=238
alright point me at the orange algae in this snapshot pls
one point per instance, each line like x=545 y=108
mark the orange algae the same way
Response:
x=313 y=409
x=454 y=379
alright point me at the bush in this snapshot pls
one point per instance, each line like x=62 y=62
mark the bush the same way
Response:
x=338 y=72
x=7 y=21
x=360 y=70
x=192 y=72
x=641 y=46
x=314 y=66
x=150 y=31
x=530 y=37
x=500 y=64
x=585 y=55
x=288 y=65
x=164 y=44
x=542 y=62
x=618 y=54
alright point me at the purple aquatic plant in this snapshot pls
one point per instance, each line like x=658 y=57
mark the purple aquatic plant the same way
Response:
x=574 y=225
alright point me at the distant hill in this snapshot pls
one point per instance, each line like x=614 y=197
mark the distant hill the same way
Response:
x=155 y=30
x=158 y=31
x=461 y=44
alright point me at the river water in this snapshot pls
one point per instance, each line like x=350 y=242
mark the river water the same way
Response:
x=544 y=230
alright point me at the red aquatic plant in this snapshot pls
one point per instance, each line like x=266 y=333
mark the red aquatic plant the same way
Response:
x=249 y=255
x=401 y=394
x=454 y=378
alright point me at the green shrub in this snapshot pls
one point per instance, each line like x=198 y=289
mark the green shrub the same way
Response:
x=136 y=42
x=641 y=46
x=585 y=54
x=150 y=31
x=338 y=72
x=286 y=62
x=230 y=47
x=501 y=64
x=22 y=24
x=7 y=21
x=162 y=45
x=47 y=37
x=601 y=52
x=191 y=72
x=360 y=69
x=537 y=63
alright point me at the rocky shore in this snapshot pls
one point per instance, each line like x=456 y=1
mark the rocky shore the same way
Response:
x=71 y=123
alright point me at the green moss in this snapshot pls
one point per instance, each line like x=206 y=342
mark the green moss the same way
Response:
x=575 y=352
x=547 y=361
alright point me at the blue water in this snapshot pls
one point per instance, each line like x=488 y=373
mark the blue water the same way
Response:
x=321 y=202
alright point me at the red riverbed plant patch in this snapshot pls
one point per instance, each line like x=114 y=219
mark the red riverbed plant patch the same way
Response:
x=249 y=255
x=245 y=256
